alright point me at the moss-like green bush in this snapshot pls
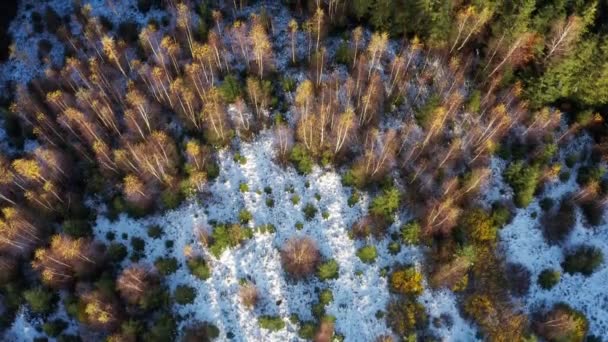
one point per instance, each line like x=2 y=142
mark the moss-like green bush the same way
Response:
x=295 y=199
x=54 y=327
x=309 y=211
x=523 y=179
x=307 y=331
x=171 y=198
x=198 y=267
x=548 y=278
x=584 y=259
x=478 y=226
x=410 y=233
x=367 y=254
x=224 y=237
x=230 y=89
x=245 y=216
x=40 y=300
x=326 y=297
x=301 y=158
x=386 y=204
x=76 y=228
x=155 y=231
x=405 y=316
x=184 y=294
x=407 y=281
x=138 y=244
x=272 y=323
x=166 y=265
x=116 y=252
x=588 y=174
x=243 y=187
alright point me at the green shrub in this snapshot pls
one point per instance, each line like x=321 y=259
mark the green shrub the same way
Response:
x=410 y=233
x=523 y=179
x=405 y=315
x=394 y=247
x=288 y=84
x=548 y=278
x=326 y=297
x=198 y=267
x=478 y=226
x=584 y=259
x=40 y=300
x=272 y=323
x=243 y=187
x=171 y=198
x=425 y=114
x=54 y=328
x=407 y=281
x=224 y=237
x=309 y=211
x=155 y=232
x=328 y=270
x=166 y=265
x=546 y=203
x=307 y=331
x=386 y=205
x=302 y=160
x=299 y=225
x=367 y=254
x=343 y=53
x=241 y=159
x=245 y=216
x=593 y=211
x=162 y=329
x=295 y=199
x=76 y=228
x=116 y=252
x=474 y=102
x=184 y=294
x=138 y=244
x=587 y=174
x=230 y=89
x=353 y=199
x=270 y=202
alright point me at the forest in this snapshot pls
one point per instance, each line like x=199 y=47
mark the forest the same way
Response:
x=322 y=170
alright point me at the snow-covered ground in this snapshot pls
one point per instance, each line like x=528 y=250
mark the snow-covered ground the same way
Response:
x=523 y=242
x=24 y=64
x=359 y=292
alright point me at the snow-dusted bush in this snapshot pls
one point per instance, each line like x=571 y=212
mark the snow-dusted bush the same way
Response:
x=548 y=278
x=227 y=236
x=523 y=179
x=184 y=294
x=198 y=267
x=166 y=266
x=272 y=323
x=300 y=257
x=583 y=259
x=367 y=254
x=410 y=233
x=328 y=270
